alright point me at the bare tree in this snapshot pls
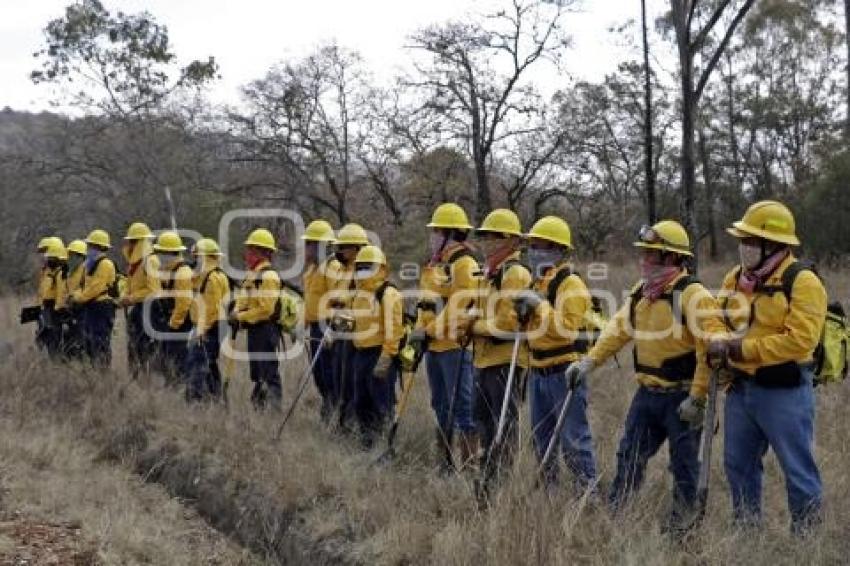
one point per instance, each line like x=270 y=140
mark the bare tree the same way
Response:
x=691 y=41
x=475 y=78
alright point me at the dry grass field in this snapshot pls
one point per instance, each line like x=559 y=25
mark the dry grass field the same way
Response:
x=146 y=480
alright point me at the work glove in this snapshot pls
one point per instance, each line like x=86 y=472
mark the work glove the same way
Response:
x=342 y=323
x=579 y=371
x=525 y=305
x=692 y=411
x=418 y=337
x=720 y=352
x=382 y=368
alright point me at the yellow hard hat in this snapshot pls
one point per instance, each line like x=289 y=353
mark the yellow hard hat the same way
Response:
x=319 y=231
x=206 y=246
x=450 y=215
x=48 y=241
x=138 y=231
x=767 y=219
x=261 y=238
x=352 y=235
x=56 y=251
x=552 y=229
x=667 y=236
x=501 y=221
x=169 y=241
x=370 y=254
x=77 y=247
x=99 y=238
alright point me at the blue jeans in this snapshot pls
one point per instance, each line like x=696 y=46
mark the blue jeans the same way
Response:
x=374 y=398
x=140 y=347
x=263 y=342
x=547 y=394
x=652 y=419
x=442 y=373
x=782 y=419
x=204 y=377
x=97 y=319
x=323 y=374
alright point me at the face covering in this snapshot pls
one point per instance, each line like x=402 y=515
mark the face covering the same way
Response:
x=91 y=255
x=750 y=256
x=756 y=269
x=74 y=261
x=253 y=258
x=656 y=276
x=541 y=259
x=363 y=272
x=436 y=243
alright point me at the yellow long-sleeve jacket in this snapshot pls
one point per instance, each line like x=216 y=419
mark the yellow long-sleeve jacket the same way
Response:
x=780 y=332
x=212 y=291
x=553 y=329
x=318 y=279
x=53 y=288
x=660 y=336
x=497 y=314
x=377 y=324
x=75 y=279
x=341 y=287
x=96 y=285
x=177 y=285
x=45 y=281
x=258 y=296
x=143 y=280
x=451 y=287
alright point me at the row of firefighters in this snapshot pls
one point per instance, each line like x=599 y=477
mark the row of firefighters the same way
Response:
x=485 y=313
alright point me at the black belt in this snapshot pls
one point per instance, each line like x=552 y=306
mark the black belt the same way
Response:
x=577 y=347
x=428 y=306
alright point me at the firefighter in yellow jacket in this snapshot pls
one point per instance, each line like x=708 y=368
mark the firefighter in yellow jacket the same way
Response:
x=72 y=342
x=257 y=311
x=557 y=311
x=448 y=285
x=96 y=299
x=143 y=285
x=378 y=330
x=209 y=323
x=670 y=317
x=494 y=329
x=776 y=306
x=44 y=283
x=320 y=267
x=349 y=241
x=53 y=294
x=172 y=306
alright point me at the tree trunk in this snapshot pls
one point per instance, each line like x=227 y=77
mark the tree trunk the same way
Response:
x=847 y=39
x=688 y=173
x=709 y=195
x=733 y=137
x=647 y=143
x=482 y=183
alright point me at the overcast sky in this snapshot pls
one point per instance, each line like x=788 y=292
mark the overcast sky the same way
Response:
x=248 y=36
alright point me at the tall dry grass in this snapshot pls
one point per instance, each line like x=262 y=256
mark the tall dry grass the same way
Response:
x=348 y=507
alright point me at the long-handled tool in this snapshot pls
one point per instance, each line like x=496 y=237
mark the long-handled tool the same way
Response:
x=449 y=428
x=229 y=366
x=302 y=386
x=556 y=433
x=708 y=431
x=500 y=429
x=389 y=453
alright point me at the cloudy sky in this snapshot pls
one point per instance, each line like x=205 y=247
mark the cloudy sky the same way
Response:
x=249 y=36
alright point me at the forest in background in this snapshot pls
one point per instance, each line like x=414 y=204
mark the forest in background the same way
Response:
x=724 y=102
